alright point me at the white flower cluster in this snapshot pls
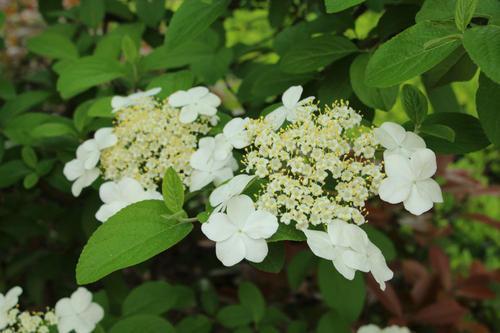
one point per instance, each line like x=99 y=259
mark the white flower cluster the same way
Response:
x=375 y=329
x=409 y=166
x=78 y=314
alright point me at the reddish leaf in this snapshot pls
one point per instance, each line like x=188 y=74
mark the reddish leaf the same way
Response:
x=441 y=264
x=472 y=327
x=444 y=312
x=388 y=298
x=476 y=287
x=484 y=219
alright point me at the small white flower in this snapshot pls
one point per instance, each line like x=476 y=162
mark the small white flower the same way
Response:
x=193 y=102
x=349 y=248
x=90 y=150
x=222 y=194
x=78 y=312
x=117 y=196
x=291 y=106
x=375 y=329
x=7 y=302
x=241 y=233
x=206 y=168
x=396 y=140
x=234 y=135
x=75 y=171
x=409 y=181
x=120 y=102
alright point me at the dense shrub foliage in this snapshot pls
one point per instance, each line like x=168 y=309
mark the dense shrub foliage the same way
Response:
x=138 y=135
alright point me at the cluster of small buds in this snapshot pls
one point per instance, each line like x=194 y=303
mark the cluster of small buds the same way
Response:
x=150 y=139
x=30 y=322
x=317 y=168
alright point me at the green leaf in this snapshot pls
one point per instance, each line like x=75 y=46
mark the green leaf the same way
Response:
x=172 y=82
x=208 y=298
x=150 y=12
x=153 y=297
x=233 y=316
x=142 y=323
x=185 y=297
x=275 y=259
x=129 y=49
x=469 y=135
x=92 y=12
x=175 y=56
x=439 y=131
x=30 y=180
x=21 y=103
x=213 y=66
x=377 y=98
x=278 y=10
x=11 y=172
x=194 y=324
x=488 y=102
x=52 y=45
x=299 y=267
x=346 y=297
x=101 y=107
x=383 y=242
x=133 y=235
x=19 y=129
x=191 y=19
x=173 y=190
x=87 y=72
x=456 y=67
x=287 y=232
x=335 y=6
x=407 y=54
x=80 y=116
x=483 y=46
x=51 y=130
x=251 y=298
x=29 y=156
x=7 y=89
x=464 y=11
x=332 y=322
x=315 y=53
x=414 y=104
x=444 y=10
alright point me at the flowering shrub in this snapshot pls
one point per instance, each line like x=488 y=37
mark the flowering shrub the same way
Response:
x=320 y=149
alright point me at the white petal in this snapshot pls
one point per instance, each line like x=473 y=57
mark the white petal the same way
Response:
x=152 y=195
x=188 y=114
x=199 y=179
x=320 y=244
x=180 y=98
x=232 y=188
x=130 y=190
x=417 y=203
x=81 y=299
x=64 y=308
x=88 y=177
x=89 y=153
x=337 y=231
x=277 y=117
x=11 y=298
x=200 y=159
x=207 y=143
x=291 y=96
x=110 y=192
x=255 y=249
x=205 y=109
x=357 y=238
x=423 y=163
x=398 y=166
x=356 y=260
x=394 y=190
x=239 y=209
x=152 y=91
x=222 y=147
x=260 y=224
x=379 y=268
x=369 y=329
x=218 y=227
x=92 y=315
x=341 y=266
x=105 y=138
x=210 y=100
x=412 y=142
x=108 y=210
x=236 y=134
x=197 y=93
x=67 y=324
x=221 y=175
x=390 y=135
x=231 y=251
x=430 y=189
x=118 y=102
x=73 y=169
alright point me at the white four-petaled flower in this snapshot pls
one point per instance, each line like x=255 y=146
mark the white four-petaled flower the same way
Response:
x=120 y=102
x=78 y=312
x=7 y=302
x=206 y=168
x=396 y=140
x=241 y=233
x=234 y=135
x=222 y=194
x=292 y=105
x=375 y=329
x=193 y=102
x=349 y=248
x=117 y=196
x=409 y=181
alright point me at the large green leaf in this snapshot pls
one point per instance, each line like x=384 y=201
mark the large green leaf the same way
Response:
x=52 y=45
x=191 y=19
x=483 y=46
x=275 y=259
x=444 y=10
x=315 y=53
x=11 y=172
x=165 y=57
x=213 y=66
x=377 y=98
x=287 y=232
x=411 y=53
x=142 y=323
x=153 y=297
x=133 y=235
x=251 y=298
x=172 y=82
x=150 y=11
x=335 y=6
x=346 y=297
x=87 y=72
x=469 y=135
x=173 y=190
x=414 y=103
x=456 y=67
x=488 y=103
x=234 y=316
x=21 y=103
x=92 y=12
x=331 y=322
